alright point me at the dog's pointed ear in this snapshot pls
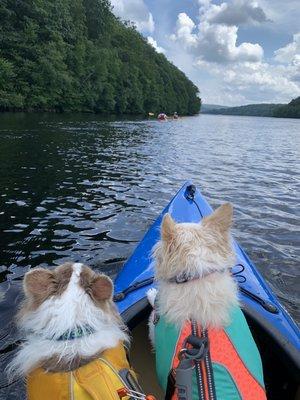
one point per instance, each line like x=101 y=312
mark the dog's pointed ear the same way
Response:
x=220 y=219
x=102 y=288
x=168 y=228
x=38 y=281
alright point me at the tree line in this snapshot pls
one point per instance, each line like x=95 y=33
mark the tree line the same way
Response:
x=75 y=55
x=290 y=110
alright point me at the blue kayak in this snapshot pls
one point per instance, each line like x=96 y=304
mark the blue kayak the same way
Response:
x=276 y=334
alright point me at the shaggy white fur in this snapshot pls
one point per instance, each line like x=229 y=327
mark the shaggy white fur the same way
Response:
x=151 y=296
x=196 y=249
x=57 y=315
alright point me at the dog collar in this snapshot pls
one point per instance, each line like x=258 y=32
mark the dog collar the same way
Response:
x=76 y=333
x=185 y=277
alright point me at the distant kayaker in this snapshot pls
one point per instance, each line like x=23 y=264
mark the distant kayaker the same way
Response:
x=162 y=117
x=175 y=115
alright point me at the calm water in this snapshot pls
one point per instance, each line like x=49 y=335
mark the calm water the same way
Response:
x=80 y=188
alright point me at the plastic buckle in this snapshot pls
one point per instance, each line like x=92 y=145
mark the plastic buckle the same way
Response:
x=198 y=348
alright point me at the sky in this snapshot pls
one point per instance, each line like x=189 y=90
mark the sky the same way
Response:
x=236 y=51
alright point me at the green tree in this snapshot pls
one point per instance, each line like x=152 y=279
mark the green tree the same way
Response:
x=75 y=55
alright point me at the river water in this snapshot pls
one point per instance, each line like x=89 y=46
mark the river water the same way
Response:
x=82 y=188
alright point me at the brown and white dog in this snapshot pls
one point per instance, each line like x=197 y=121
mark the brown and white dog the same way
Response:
x=69 y=301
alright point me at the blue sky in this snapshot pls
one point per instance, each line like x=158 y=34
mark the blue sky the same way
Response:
x=235 y=51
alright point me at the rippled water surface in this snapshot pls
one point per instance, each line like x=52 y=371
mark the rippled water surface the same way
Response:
x=77 y=187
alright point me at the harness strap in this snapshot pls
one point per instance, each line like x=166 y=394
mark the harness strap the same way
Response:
x=199 y=365
x=194 y=355
x=204 y=369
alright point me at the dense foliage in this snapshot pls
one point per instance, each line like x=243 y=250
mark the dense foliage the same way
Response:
x=75 y=55
x=291 y=110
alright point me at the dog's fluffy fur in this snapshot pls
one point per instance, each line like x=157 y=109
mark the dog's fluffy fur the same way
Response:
x=196 y=248
x=56 y=302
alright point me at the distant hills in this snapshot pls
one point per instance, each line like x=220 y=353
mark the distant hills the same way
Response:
x=210 y=107
x=290 y=110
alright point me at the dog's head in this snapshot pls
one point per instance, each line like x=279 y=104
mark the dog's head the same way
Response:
x=69 y=296
x=195 y=247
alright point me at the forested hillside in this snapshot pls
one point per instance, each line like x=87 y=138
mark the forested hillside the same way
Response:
x=75 y=55
x=259 y=110
x=291 y=110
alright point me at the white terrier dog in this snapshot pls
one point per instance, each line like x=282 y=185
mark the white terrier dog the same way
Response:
x=193 y=264
x=197 y=250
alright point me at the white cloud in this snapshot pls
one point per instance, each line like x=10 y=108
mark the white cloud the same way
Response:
x=217 y=43
x=184 y=28
x=236 y=12
x=214 y=42
x=154 y=44
x=284 y=15
x=289 y=56
x=230 y=71
x=291 y=52
x=265 y=76
x=135 y=11
x=204 y=3
x=253 y=82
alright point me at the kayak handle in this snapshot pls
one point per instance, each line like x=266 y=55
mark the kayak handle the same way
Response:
x=267 y=305
x=240 y=278
x=137 y=285
x=190 y=195
x=190 y=192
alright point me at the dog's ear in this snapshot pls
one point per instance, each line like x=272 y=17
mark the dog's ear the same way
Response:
x=38 y=282
x=168 y=228
x=102 y=288
x=220 y=219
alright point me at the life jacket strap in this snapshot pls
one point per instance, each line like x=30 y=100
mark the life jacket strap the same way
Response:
x=204 y=371
x=194 y=355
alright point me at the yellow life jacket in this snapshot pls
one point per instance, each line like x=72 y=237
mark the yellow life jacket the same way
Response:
x=97 y=380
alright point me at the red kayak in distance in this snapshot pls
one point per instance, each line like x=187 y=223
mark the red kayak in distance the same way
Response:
x=162 y=117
